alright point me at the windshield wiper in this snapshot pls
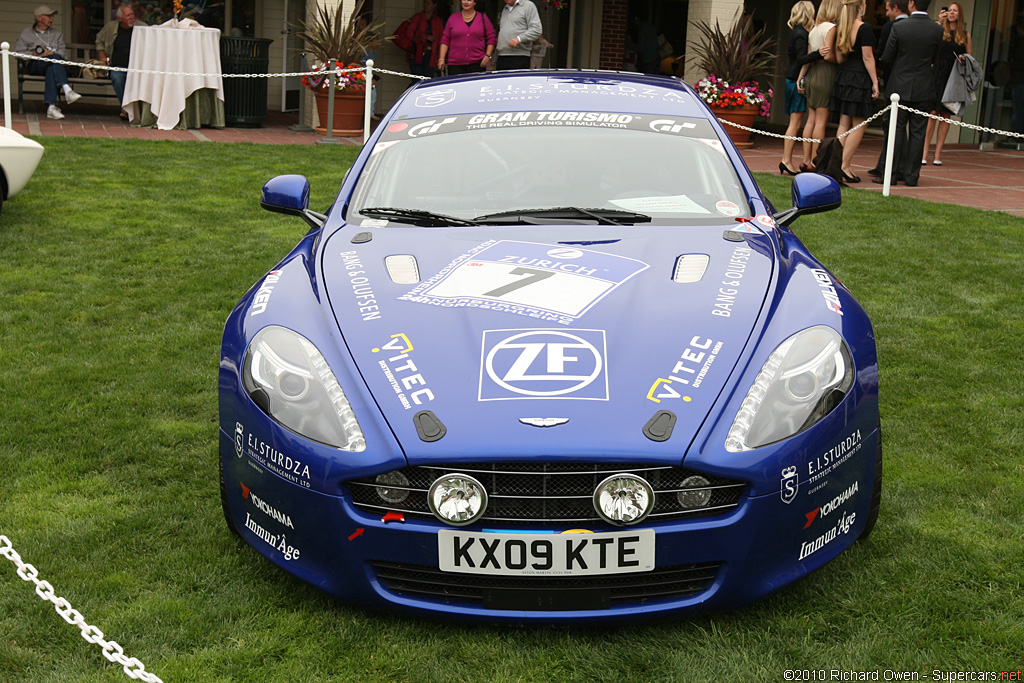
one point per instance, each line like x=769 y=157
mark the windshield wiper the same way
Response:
x=416 y=216
x=602 y=216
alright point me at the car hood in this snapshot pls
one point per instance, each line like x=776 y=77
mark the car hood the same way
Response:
x=560 y=342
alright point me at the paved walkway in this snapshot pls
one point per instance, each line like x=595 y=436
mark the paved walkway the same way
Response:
x=991 y=180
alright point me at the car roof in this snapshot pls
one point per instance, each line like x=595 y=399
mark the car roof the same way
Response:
x=551 y=90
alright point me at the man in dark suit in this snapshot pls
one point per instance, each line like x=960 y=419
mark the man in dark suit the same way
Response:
x=912 y=49
x=895 y=10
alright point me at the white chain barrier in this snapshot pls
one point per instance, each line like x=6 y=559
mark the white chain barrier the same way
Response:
x=133 y=668
x=370 y=68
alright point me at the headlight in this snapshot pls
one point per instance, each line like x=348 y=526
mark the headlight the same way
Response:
x=624 y=499
x=288 y=378
x=803 y=380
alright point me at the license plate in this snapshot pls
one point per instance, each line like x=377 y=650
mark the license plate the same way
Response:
x=616 y=552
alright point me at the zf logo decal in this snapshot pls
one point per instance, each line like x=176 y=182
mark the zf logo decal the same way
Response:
x=790 y=484
x=518 y=364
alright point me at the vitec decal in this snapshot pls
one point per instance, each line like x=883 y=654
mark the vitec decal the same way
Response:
x=689 y=370
x=737 y=266
x=525 y=364
x=828 y=461
x=789 y=485
x=828 y=290
x=361 y=288
x=262 y=298
x=842 y=527
x=274 y=460
x=265 y=507
x=541 y=281
x=831 y=506
x=406 y=376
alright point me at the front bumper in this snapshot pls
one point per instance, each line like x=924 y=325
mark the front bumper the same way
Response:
x=713 y=562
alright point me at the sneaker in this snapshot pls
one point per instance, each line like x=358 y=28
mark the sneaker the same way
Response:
x=71 y=96
x=52 y=112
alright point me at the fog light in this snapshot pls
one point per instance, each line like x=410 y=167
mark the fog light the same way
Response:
x=457 y=499
x=392 y=495
x=623 y=499
x=690 y=500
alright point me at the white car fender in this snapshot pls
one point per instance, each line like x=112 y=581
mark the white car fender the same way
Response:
x=19 y=157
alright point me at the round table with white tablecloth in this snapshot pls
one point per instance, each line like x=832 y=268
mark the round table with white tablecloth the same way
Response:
x=168 y=100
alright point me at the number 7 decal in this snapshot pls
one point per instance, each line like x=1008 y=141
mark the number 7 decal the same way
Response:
x=534 y=276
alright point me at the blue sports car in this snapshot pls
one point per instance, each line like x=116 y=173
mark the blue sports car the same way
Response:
x=550 y=356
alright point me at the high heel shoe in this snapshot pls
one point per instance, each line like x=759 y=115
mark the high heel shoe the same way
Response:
x=849 y=178
x=785 y=170
x=807 y=168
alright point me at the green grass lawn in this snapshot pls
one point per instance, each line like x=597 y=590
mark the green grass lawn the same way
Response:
x=121 y=261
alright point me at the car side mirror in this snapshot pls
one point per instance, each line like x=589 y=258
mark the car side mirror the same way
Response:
x=289 y=194
x=812 y=193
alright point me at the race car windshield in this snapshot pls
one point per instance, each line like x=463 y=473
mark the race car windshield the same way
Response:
x=670 y=171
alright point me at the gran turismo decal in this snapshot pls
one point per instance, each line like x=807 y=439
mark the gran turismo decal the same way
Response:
x=401 y=372
x=734 y=271
x=262 y=298
x=361 y=288
x=842 y=527
x=430 y=127
x=828 y=290
x=670 y=126
x=540 y=281
x=828 y=461
x=831 y=506
x=518 y=364
x=689 y=371
x=790 y=484
x=265 y=507
x=278 y=542
x=274 y=460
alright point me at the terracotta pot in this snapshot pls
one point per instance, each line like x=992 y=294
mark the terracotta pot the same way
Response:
x=348 y=112
x=744 y=116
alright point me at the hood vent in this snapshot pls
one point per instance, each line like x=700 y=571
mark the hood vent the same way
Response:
x=690 y=268
x=403 y=269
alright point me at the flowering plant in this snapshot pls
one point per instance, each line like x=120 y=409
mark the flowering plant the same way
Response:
x=557 y=4
x=718 y=93
x=352 y=80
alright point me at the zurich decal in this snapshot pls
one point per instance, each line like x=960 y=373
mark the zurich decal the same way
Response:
x=552 y=364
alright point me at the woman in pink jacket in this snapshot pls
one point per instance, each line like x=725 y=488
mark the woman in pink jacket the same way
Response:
x=468 y=41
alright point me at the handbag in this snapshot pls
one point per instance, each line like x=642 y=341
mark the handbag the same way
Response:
x=94 y=69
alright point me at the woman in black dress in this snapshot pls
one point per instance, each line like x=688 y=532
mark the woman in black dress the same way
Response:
x=857 y=81
x=956 y=41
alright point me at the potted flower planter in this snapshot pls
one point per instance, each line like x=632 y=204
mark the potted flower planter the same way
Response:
x=743 y=115
x=348 y=112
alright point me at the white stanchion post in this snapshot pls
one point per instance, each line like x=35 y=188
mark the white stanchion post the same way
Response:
x=894 y=110
x=368 y=104
x=5 y=49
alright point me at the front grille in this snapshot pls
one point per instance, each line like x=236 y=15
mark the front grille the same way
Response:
x=542 y=492
x=540 y=593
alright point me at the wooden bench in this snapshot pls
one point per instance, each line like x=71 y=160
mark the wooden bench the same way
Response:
x=86 y=87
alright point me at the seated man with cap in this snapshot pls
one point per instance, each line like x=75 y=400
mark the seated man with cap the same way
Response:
x=43 y=40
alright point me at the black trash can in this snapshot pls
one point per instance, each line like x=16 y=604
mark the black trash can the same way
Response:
x=245 y=99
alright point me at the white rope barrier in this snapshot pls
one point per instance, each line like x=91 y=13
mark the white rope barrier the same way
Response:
x=113 y=652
